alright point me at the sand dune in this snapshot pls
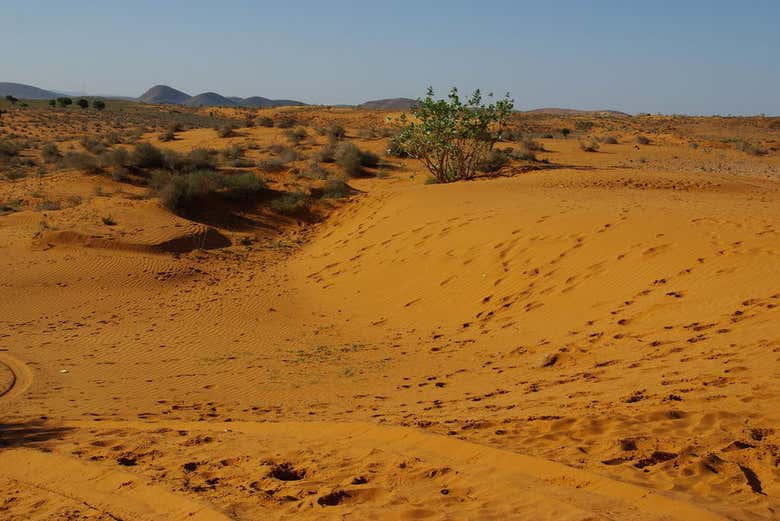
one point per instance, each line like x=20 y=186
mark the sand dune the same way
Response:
x=591 y=341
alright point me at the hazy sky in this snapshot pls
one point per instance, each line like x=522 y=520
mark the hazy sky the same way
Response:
x=696 y=57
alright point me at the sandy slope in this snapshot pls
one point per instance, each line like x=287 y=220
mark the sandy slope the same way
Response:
x=591 y=343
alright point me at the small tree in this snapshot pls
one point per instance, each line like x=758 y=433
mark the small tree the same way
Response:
x=12 y=99
x=453 y=138
x=64 y=102
x=565 y=132
x=82 y=103
x=98 y=104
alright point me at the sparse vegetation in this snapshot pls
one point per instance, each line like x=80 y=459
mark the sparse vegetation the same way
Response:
x=609 y=140
x=495 y=160
x=750 y=148
x=352 y=160
x=50 y=153
x=451 y=137
x=643 y=140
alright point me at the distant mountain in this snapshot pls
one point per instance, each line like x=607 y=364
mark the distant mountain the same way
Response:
x=210 y=99
x=554 y=111
x=389 y=104
x=21 y=91
x=164 y=95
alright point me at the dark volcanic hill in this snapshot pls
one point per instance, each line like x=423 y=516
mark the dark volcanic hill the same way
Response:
x=22 y=91
x=210 y=99
x=389 y=104
x=164 y=95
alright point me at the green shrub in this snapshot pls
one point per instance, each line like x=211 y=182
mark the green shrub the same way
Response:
x=82 y=103
x=565 y=132
x=451 y=137
x=98 y=104
x=64 y=102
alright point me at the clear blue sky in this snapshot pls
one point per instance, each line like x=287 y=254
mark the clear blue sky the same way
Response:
x=696 y=57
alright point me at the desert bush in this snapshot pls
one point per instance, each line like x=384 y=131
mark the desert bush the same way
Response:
x=10 y=148
x=98 y=104
x=774 y=124
x=451 y=137
x=352 y=160
x=115 y=158
x=227 y=130
x=750 y=148
x=296 y=135
x=82 y=103
x=693 y=145
x=234 y=156
x=243 y=186
x=495 y=160
x=10 y=206
x=145 y=155
x=314 y=171
x=265 y=121
x=50 y=153
x=395 y=148
x=524 y=155
x=64 y=102
x=285 y=121
x=609 y=140
x=168 y=135
x=92 y=145
x=333 y=131
x=195 y=159
x=565 y=132
x=283 y=155
x=335 y=189
x=583 y=125
x=49 y=205
x=82 y=162
x=643 y=140
x=589 y=145
x=294 y=203
x=14 y=174
x=531 y=145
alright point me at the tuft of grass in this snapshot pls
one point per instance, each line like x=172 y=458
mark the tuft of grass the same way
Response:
x=750 y=148
x=336 y=189
x=609 y=140
x=643 y=140
x=226 y=130
x=108 y=220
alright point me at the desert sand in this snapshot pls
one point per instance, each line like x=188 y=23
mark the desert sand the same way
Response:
x=595 y=338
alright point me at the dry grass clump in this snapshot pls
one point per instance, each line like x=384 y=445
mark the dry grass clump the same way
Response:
x=181 y=193
x=294 y=203
x=282 y=157
x=264 y=121
x=589 y=145
x=234 y=156
x=226 y=130
x=495 y=160
x=609 y=140
x=353 y=161
x=750 y=148
x=643 y=140
x=82 y=162
x=50 y=153
x=295 y=136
